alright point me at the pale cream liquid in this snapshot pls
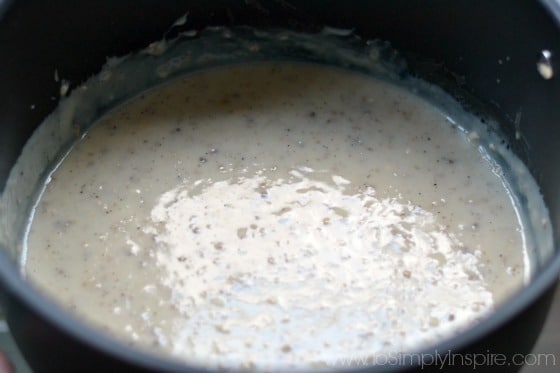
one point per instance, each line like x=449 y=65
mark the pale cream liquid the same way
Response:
x=276 y=215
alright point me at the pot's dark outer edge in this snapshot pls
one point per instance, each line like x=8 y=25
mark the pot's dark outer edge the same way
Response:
x=470 y=39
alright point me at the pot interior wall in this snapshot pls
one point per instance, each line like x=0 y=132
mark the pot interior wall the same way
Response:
x=491 y=50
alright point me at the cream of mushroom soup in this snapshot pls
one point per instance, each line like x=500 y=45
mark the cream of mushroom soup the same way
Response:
x=274 y=215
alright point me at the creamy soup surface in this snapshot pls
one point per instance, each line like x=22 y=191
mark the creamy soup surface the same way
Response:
x=276 y=215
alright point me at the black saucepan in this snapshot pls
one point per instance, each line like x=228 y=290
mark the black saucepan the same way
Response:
x=455 y=44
